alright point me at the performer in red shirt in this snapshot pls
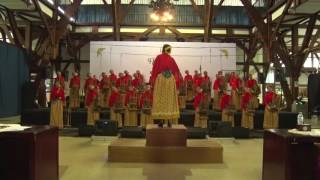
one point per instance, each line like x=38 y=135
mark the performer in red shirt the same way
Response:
x=96 y=82
x=197 y=80
x=57 y=101
x=200 y=105
x=165 y=78
x=112 y=78
x=104 y=90
x=255 y=90
x=217 y=91
x=88 y=82
x=92 y=103
x=188 y=80
x=140 y=76
x=206 y=84
x=235 y=83
x=227 y=107
x=145 y=105
x=74 y=98
x=127 y=79
x=59 y=78
x=271 y=116
x=131 y=105
x=115 y=103
x=247 y=109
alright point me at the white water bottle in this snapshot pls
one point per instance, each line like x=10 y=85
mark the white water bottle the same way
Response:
x=300 y=119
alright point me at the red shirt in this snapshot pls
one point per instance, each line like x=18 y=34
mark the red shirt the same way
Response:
x=75 y=81
x=120 y=82
x=198 y=99
x=90 y=81
x=188 y=78
x=234 y=83
x=216 y=84
x=57 y=93
x=197 y=80
x=251 y=83
x=268 y=97
x=91 y=96
x=146 y=96
x=113 y=78
x=114 y=97
x=129 y=95
x=136 y=82
x=206 y=79
x=140 y=77
x=104 y=83
x=162 y=63
x=225 y=101
x=245 y=100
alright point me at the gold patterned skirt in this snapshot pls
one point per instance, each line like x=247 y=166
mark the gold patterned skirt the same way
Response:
x=216 y=100
x=247 y=120
x=145 y=119
x=200 y=121
x=92 y=115
x=182 y=102
x=56 y=114
x=236 y=99
x=190 y=94
x=165 y=99
x=227 y=117
x=130 y=117
x=74 y=97
x=116 y=117
x=271 y=119
x=104 y=98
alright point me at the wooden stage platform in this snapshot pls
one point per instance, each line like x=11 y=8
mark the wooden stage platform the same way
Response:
x=135 y=150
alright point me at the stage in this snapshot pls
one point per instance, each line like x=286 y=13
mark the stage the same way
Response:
x=135 y=150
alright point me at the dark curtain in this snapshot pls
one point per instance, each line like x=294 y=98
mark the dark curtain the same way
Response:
x=14 y=72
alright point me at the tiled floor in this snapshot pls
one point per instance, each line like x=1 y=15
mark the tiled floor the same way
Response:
x=85 y=159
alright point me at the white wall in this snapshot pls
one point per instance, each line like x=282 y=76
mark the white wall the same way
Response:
x=132 y=56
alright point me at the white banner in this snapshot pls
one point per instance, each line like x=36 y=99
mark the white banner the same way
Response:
x=138 y=55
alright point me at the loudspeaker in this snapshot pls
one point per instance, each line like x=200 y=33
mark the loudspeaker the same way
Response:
x=86 y=131
x=132 y=132
x=196 y=133
x=106 y=128
x=79 y=117
x=220 y=129
x=28 y=96
x=240 y=132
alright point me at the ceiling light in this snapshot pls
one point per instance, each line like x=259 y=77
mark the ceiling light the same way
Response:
x=283 y=65
x=51 y=2
x=61 y=10
x=72 y=19
x=271 y=64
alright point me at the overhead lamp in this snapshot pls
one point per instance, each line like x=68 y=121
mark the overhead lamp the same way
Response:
x=271 y=64
x=51 y=2
x=61 y=10
x=72 y=19
x=283 y=65
x=162 y=10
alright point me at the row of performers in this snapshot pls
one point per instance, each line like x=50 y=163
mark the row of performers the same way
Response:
x=187 y=89
x=133 y=101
